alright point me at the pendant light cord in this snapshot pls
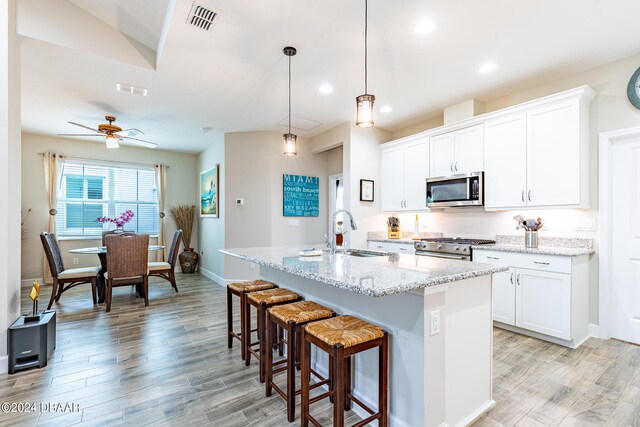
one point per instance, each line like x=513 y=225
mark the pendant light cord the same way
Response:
x=366 y=20
x=289 y=94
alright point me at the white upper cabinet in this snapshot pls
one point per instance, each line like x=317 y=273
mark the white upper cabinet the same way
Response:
x=539 y=155
x=469 y=148
x=457 y=152
x=403 y=172
x=553 y=155
x=505 y=151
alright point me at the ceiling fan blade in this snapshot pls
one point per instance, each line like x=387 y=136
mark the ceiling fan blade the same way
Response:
x=139 y=142
x=80 y=134
x=132 y=131
x=83 y=126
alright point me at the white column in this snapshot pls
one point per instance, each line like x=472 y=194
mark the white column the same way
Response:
x=10 y=200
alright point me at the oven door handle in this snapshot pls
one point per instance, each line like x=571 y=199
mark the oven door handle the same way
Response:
x=441 y=255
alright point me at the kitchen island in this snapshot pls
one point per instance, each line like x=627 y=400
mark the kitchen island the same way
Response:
x=437 y=312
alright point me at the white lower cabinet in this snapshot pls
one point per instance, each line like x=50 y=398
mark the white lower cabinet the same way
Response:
x=401 y=248
x=541 y=294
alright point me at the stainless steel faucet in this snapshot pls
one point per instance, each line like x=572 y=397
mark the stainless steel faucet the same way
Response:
x=354 y=226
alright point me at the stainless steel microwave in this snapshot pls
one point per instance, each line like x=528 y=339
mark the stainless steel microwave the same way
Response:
x=456 y=190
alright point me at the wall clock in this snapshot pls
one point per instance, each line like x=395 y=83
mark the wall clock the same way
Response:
x=633 y=90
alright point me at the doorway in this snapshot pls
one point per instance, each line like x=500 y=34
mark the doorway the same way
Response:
x=336 y=201
x=620 y=257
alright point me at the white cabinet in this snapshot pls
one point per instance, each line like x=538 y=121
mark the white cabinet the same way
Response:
x=400 y=248
x=539 y=154
x=457 y=152
x=403 y=172
x=542 y=295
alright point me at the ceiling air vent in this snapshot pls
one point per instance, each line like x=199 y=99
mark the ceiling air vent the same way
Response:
x=201 y=17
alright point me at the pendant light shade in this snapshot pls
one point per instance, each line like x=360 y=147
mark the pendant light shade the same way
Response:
x=290 y=139
x=111 y=141
x=364 y=103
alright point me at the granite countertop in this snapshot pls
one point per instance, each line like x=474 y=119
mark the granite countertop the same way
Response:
x=540 y=250
x=372 y=276
x=559 y=246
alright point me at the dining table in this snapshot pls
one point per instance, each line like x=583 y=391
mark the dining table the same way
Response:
x=101 y=251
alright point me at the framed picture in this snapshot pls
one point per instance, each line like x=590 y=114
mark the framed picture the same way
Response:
x=209 y=194
x=300 y=195
x=366 y=190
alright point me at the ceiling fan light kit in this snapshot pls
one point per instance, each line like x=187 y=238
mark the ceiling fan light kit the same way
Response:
x=113 y=134
x=364 y=103
x=289 y=138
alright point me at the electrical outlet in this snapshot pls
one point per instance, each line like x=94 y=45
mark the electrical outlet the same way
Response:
x=435 y=322
x=75 y=261
x=294 y=222
x=586 y=225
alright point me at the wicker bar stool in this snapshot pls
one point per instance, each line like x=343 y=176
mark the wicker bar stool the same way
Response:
x=342 y=337
x=262 y=301
x=241 y=289
x=291 y=317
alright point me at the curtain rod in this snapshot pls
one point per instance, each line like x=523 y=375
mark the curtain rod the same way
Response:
x=41 y=153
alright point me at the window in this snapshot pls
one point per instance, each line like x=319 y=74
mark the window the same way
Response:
x=89 y=191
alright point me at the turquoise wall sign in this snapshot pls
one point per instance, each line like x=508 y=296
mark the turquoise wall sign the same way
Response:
x=300 y=196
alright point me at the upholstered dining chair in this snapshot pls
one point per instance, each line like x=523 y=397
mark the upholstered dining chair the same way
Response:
x=61 y=276
x=165 y=269
x=128 y=255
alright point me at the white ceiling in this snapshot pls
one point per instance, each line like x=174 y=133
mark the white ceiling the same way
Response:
x=234 y=78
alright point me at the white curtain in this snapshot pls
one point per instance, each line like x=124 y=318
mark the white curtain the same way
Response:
x=53 y=164
x=161 y=182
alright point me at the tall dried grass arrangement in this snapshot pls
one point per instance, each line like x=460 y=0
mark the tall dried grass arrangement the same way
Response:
x=184 y=216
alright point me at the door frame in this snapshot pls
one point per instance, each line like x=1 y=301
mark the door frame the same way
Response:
x=606 y=142
x=332 y=201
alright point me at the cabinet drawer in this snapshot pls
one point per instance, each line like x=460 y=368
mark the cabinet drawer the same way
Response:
x=558 y=264
x=401 y=248
x=377 y=246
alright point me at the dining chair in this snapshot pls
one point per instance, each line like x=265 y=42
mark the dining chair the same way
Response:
x=128 y=255
x=61 y=276
x=112 y=232
x=166 y=269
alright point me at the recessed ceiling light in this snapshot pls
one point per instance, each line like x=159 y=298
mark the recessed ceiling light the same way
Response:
x=207 y=129
x=325 y=89
x=425 y=27
x=488 y=67
x=386 y=109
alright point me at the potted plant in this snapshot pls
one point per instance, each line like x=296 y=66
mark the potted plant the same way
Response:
x=183 y=216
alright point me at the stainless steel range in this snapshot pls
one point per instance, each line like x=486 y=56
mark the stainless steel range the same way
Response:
x=448 y=247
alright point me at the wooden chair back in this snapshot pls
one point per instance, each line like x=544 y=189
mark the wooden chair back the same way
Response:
x=175 y=248
x=52 y=252
x=127 y=254
x=112 y=232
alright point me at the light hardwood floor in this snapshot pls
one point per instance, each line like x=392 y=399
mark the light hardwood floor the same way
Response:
x=168 y=364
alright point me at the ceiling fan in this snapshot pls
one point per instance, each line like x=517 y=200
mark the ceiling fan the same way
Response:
x=112 y=134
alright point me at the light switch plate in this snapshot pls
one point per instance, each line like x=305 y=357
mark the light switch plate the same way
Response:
x=239 y=201
x=294 y=222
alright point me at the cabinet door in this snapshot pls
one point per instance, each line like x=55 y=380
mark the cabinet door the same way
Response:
x=504 y=296
x=416 y=171
x=543 y=302
x=505 y=162
x=442 y=149
x=401 y=248
x=469 y=150
x=553 y=155
x=392 y=178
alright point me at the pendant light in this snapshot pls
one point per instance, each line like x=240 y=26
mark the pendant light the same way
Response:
x=289 y=138
x=364 y=102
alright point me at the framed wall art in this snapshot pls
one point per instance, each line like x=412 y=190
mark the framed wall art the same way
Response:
x=209 y=194
x=366 y=190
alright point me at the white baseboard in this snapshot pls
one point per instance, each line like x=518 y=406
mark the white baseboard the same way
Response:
x=29 y=282
x=211 y=275
x=4 y=364
x=476 y=414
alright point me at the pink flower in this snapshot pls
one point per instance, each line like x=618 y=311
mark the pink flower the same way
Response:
x=119 y=221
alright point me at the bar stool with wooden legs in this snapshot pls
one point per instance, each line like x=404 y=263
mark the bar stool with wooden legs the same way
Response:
x=342 y=337
x=241 y=289
x=262 y=301
x=291 y=317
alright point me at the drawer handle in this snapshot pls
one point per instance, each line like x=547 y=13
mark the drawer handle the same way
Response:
x=379 y=246
x=492 y=257
x=541 y=263
x=404 y=249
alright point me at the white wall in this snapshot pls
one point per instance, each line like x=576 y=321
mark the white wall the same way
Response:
x=9 y=171
x=255 y=165
x=181 y=188
x=211 y=231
